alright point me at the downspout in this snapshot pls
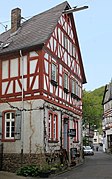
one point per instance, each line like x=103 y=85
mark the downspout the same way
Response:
x=61 y=131
x=22 y=96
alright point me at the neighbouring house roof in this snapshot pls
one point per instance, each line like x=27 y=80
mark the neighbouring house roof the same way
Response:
x=107 y=93
x=34 y=31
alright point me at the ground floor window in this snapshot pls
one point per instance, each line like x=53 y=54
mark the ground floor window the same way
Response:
x=53 y=127
x=9 y=125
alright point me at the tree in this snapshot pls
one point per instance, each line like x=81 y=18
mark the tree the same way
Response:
x=92 y=107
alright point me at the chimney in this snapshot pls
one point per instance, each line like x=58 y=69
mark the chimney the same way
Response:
x=15 y=19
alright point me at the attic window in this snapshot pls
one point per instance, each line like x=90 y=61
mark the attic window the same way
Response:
x=1 y=43
x=5 y=45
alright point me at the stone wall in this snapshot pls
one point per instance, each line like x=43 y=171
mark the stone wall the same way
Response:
x=12 y=162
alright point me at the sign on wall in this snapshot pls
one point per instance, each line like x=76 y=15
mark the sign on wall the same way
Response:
x=72 y=132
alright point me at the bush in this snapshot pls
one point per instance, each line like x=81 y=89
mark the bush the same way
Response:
x=30 y=170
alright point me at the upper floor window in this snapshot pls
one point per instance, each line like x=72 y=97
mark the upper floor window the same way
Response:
x=54 y=72
x=73 y=86
x=66 y=81
x=65 y=41
x=75 y=89
x=53 y=127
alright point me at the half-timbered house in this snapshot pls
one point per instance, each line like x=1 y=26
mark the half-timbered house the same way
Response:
x=41 y=78
x=107 y=118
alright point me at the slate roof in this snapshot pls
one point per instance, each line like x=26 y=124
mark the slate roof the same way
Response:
x=34 y=31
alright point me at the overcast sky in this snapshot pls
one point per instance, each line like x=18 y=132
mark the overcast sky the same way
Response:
x=94 y=29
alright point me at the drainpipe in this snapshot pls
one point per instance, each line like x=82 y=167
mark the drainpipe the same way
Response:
x=61 y=131
x=22 y=120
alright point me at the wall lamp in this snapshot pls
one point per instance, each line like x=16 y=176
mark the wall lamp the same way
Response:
x=74 y=9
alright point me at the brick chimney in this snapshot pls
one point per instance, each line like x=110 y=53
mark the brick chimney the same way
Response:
x=15 y=19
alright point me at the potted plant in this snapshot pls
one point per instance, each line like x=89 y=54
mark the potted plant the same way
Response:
x=44 y=171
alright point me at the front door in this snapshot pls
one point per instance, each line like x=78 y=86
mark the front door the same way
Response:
x=65 y=134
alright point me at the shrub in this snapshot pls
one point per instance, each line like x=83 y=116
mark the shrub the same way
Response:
x=30 y=170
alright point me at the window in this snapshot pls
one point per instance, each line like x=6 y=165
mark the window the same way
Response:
x=75 y=89
x=54 y=72
x=65 y=42
x=65 y=81
x=53 y=127
x=73 y=86
x=76 y=138
x=95 y=140
x=9 y=125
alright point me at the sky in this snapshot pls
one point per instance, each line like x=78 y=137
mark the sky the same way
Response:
x=94 y=30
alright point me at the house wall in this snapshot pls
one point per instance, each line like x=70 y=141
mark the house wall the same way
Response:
x=26 y=86
x=34 y=134
x=31 y=128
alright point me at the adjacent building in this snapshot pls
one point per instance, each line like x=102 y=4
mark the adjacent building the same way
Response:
x=107 y=118
x=41 y=78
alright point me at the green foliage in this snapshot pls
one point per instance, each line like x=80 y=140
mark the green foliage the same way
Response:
x=44 y=168
x=30 y=170
x=92 y=107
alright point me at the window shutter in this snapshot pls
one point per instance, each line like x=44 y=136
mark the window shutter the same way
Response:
x=0 y=125
x=18 y=117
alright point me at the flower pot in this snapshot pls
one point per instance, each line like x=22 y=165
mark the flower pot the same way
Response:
x=44 y=174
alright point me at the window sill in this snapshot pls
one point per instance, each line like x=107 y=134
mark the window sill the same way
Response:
x=7 y=140
x=75 y=96
x=76 y=141
x=53 y=141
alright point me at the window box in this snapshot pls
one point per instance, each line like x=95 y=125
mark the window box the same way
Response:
x=66 y=90
x=75 y=96
x=54 y=83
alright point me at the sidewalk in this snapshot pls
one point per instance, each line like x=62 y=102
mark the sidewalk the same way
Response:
x=8 y=175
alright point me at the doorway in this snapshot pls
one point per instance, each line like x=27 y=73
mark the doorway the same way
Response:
x=65 y=134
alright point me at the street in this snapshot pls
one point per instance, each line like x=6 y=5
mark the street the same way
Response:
x=98 y=166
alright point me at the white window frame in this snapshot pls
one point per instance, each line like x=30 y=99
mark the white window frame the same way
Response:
x=9 y=125
x=65 y=42
x=54 y=72
x=52 y=127
x=65 y=80
x=73 y=86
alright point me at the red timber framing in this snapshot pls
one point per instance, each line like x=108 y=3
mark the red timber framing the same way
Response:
x=62 y=50
x=11 y=76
